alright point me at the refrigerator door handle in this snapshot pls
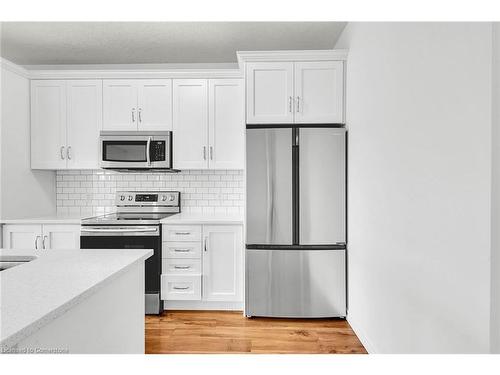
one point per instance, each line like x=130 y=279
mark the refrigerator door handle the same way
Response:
x=270 y=190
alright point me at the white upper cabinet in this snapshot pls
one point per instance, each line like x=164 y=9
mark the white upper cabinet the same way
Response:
x=222 y=263
x=154 y=110
x=190 y=127
x=137 y=104
x=305 y=92
x=319 y=88
x=66 y=117
x=269 y=92
x=48 y=124
x=226 y=124
x=208 y=124
x=120 y=104
x=84 y=114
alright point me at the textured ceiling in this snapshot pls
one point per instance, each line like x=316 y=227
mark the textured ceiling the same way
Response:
x=31 y=43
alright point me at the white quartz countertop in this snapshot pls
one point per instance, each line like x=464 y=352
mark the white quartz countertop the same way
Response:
x=199 y=218
x=37 y=292
x=50 y=219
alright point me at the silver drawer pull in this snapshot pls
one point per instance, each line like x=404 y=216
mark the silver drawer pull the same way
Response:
x=181 y=288
x=182 y=250
x=183 y=233
x=182 y=267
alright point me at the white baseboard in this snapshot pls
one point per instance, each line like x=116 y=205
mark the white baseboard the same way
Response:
x=367 y=343
x=203 y=305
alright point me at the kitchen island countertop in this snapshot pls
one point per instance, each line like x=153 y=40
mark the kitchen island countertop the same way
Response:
x=37 y=292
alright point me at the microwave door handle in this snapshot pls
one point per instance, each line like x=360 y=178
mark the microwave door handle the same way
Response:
x=148 y=146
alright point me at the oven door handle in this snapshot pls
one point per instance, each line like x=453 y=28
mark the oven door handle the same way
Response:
x=120 y=230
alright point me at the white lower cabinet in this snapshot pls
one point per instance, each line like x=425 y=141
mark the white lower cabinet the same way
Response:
x=181 y=287
x=222 y=263
x=41 y=237
x=207 y=270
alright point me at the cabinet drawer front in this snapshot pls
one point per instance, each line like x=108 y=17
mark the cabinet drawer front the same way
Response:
x=181 y=250
x=180 y=287
x=182 y=233
x=181 y=266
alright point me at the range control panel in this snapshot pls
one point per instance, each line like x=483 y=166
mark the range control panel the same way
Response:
x=140 y=198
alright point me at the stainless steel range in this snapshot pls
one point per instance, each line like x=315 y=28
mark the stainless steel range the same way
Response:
x=135 y=225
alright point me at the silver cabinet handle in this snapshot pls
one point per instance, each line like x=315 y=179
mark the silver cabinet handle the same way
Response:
x=183 y=233
x=211 y=153
x=182 y=267
x=290 y=101
x=181 y=250
x=43 y=242
x=140 y=117
x=68 y=152
x=298 y=103
x=204 y=153
x=205 y=246
x=133 y=114
x=61 y=151
x=179 y=288
x=36 y=242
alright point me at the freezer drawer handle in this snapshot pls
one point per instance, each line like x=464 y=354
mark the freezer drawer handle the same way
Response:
x=182 y=267
x=182 y=250
x=181 y=288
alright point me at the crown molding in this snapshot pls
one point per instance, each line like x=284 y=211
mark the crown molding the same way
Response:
x=13 y=68
x=303 y=55
x=130 y=72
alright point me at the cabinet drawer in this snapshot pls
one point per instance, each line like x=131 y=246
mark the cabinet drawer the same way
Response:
x=181 y=266
x=180 y=287
x=181 y=250
x=182 y=233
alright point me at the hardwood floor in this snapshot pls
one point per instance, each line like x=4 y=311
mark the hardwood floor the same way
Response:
x=193 y=332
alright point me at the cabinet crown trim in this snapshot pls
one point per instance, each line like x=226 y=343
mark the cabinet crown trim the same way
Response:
x=14 y=68
x=133 y=73
x=305 y=55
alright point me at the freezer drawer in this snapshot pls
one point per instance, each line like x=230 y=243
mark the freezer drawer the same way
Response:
x=296 y=283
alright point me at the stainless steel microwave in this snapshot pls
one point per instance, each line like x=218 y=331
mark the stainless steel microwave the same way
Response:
x=135 y=150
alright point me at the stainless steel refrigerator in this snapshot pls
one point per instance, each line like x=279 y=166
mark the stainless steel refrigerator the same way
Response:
x=296 y=221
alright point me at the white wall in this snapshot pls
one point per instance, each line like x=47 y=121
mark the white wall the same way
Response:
x=419 y=119
x=23 y=192
x=495 y=196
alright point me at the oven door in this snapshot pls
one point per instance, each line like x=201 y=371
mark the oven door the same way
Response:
x=137 y=151
x=131 y=237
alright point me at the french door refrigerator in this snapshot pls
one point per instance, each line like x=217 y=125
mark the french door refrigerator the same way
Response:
x=296 y=221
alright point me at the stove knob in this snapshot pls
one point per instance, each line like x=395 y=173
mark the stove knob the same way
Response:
x=163 y=198
x=122 y=197
x=130 y=197
x=171 y=198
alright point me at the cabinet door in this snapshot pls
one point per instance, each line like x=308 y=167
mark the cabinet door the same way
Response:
x=222 y=263
x=84 y=114
x=120 y=104
x=48 y=124
x=61 y=236
x=269 y=92
x=21 y=236
x=319 y=92
x=226 y=106
x=190 y=136
x=155 y=104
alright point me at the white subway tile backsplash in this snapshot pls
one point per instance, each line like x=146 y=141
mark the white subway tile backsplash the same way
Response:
x=92 y=192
